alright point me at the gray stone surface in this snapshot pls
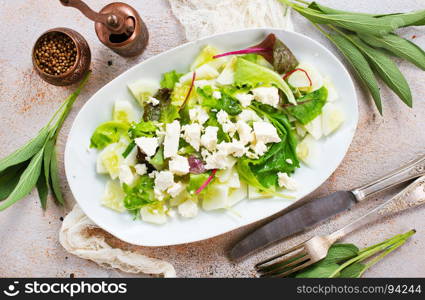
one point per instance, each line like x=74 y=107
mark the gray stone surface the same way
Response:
x=29 y=237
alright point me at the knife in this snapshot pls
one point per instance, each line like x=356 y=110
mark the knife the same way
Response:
x=320 y=209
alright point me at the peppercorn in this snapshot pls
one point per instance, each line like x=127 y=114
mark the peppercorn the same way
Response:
x=55 y=53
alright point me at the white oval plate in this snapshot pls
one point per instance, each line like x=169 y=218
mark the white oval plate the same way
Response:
x=88 y=187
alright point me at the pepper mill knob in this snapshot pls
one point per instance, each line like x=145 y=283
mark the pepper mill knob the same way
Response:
x=118 y=26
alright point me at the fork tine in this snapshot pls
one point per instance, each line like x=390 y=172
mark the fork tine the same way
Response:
x=304 y=257
x=299 y=246
x=282 y=262
x=289 y=272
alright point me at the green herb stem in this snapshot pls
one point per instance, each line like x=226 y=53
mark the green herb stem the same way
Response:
x=303 y=2
x=369 y=252
x=394 y=238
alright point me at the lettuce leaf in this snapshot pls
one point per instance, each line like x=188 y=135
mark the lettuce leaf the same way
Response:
x=146 y=129
x=108 y=133
x=157 y=161
x=169 y=79
x=140 y=195
x=281 y=157
x=310 y=106
x=164 y=112
x=196 y=181
x=227 y=102
x=253 y=75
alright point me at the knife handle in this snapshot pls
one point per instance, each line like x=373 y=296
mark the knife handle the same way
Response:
x=413 y=169
x=410 y=197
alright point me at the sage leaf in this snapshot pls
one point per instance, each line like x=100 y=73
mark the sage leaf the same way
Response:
x=9 y=179
x=331 y=11
x=355 y=270
x=386 y=69
x=358 y=23
x=398 y=46
x=360 y=65
x=54 y=177
x=27 y=181
x=318 y=270
x=25 y=152
x=48 y=150
x=43 y=189
x=414 y=18
x=338 y=253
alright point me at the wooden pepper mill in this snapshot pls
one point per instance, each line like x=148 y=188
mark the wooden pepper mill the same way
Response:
x=118 y=26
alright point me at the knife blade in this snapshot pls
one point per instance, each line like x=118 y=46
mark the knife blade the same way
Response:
x=293 y=222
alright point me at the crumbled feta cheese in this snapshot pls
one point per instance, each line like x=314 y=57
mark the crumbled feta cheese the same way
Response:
x=188 y=209
x=179 y=165
x=192 y=135
x=266 y=132
x=141 y=169
x=216 y=95
x=229 y=128
x=245 y=99
x=219 y=160
x=289 y=161
x=204 y=153
x=248 y=115
x=126 y=175
x=176 y=189
x=171 y=141
x=259 y=148
x=235 y=148
x=159 y=195
x=164 y=180
x=222 y=117
x=227 y=125
x=198 y=114
x=267 y=95
x=245 y=132
x=153 y=174
x=251 y=155
x=148 y=145
x=286 y=181
x=209 y=138
x=153 y=101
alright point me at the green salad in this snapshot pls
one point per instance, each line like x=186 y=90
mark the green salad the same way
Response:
x=236 y=125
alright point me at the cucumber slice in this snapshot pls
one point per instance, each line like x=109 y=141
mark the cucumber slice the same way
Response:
x=205 y=56
x=143 y=89
x=237 y=194
x=114 y=196
x=124 y=112
x=188 y=209
x=227 y=76
x=216 y=197
x=315 y=127
x=332 y=118
x=308 y=151
x=153 y=216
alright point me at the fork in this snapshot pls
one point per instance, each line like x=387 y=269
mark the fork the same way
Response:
x=316 y=248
